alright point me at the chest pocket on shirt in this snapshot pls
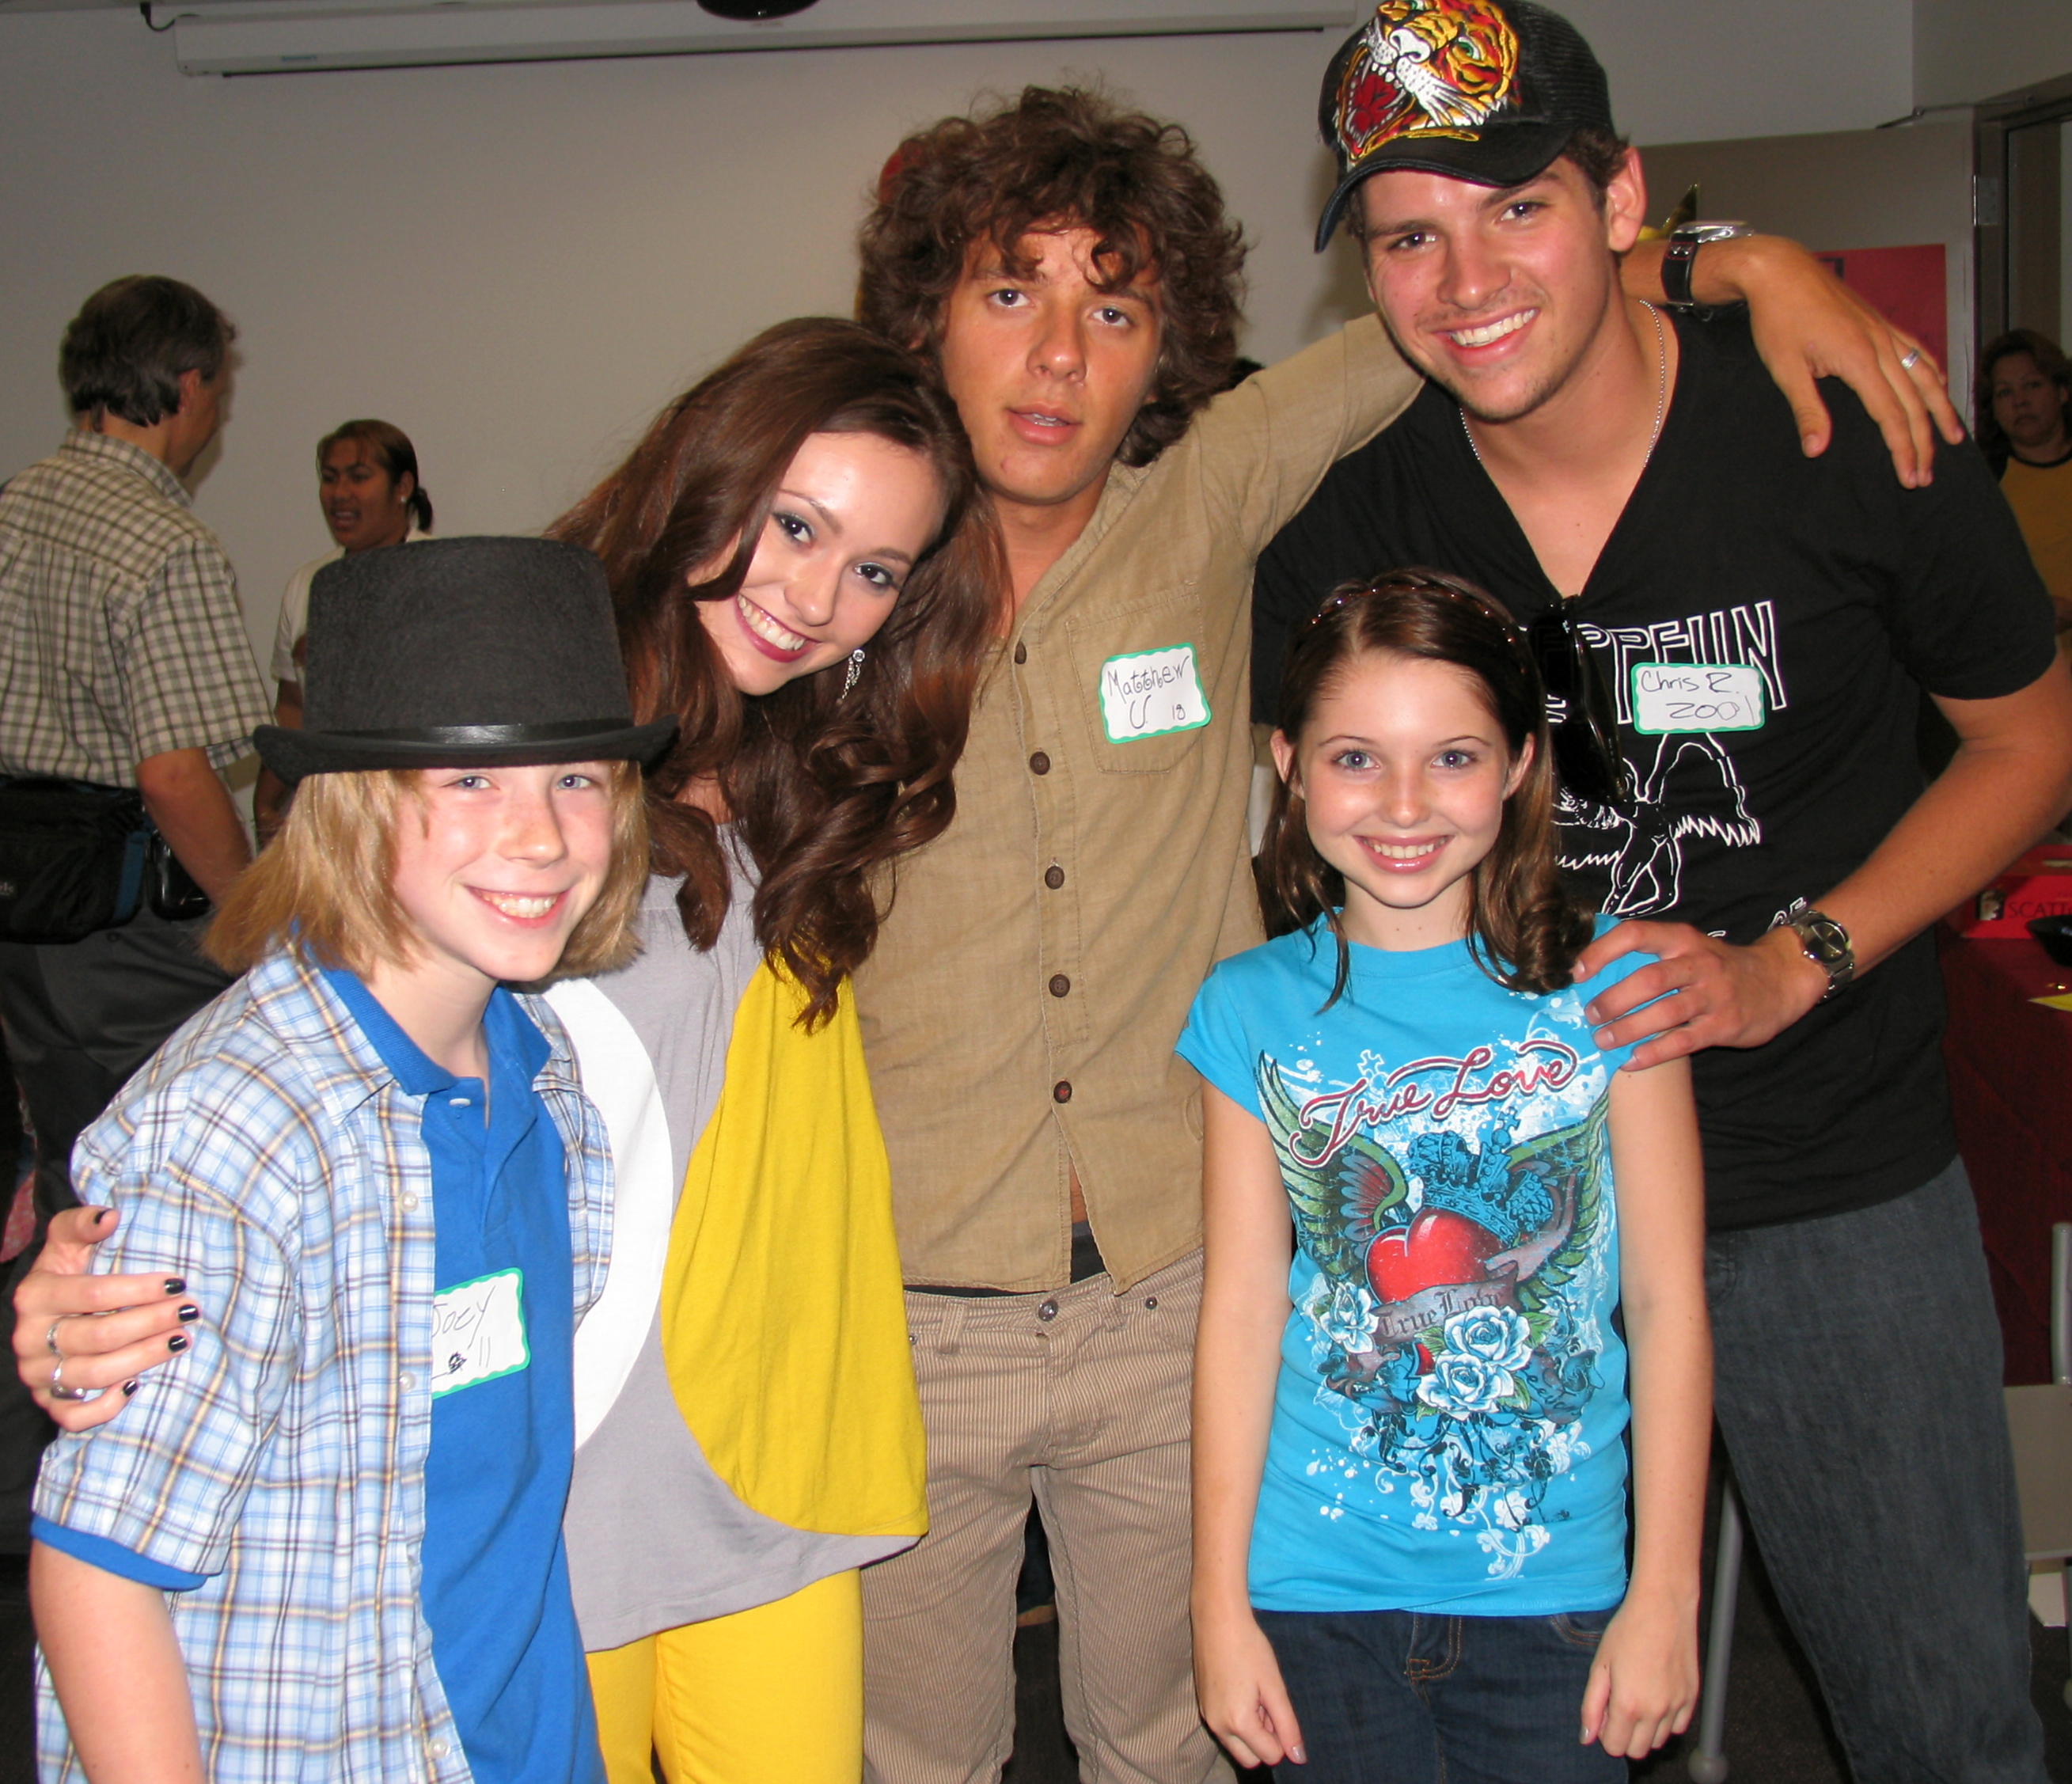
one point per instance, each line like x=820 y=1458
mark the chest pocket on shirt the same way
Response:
x=1162 y=677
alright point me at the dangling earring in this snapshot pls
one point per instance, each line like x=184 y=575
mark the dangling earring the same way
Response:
x=855 y=671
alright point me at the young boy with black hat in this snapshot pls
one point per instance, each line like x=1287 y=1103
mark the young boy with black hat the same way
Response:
x=329 y=1547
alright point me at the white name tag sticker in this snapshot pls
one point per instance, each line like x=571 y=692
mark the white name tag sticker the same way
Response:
x=1669 y=697
x=479 y=1331
x=1151 y=694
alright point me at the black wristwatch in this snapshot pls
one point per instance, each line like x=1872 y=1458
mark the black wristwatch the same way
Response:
x=1684 y=242
x=1825 y=941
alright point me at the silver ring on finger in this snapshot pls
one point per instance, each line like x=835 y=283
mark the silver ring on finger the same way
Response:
x=50 y=1337
x=1910 y=358
x=59 y=1391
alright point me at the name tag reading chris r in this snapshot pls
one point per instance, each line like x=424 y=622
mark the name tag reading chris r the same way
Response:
x=479 y=1331
x=1669 y=697
x=1151 y=694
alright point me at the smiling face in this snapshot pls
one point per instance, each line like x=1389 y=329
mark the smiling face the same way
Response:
x=495 y=867
x=363 y=505
x=1499 y=293
x=852 y=516
x=1403 y=774
x=1048 y=372
x=2029 y=405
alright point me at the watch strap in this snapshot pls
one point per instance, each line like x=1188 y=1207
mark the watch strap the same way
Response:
x=1676 y=261
x=1824 y=942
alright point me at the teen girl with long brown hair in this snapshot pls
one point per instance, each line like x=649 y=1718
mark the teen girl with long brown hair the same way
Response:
x=1427 y=1188
x=807 y=579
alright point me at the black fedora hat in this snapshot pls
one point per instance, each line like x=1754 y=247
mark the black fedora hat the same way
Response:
x=457 y=653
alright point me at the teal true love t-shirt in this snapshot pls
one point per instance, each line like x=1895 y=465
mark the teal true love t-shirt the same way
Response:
x=1448 y=1419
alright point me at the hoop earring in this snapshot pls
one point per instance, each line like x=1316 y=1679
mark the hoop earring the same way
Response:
x=855 y=674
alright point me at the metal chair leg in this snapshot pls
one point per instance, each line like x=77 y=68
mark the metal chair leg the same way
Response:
x=1707 y=1764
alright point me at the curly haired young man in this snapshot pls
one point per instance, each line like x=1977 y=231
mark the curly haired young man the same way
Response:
x=1070 y=266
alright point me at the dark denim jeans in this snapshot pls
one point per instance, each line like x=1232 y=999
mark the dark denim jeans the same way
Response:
x=1858 y=1383
x=1399 y=1697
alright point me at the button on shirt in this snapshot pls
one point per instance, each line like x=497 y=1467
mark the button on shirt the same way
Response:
x=120 y=635
x=1022 y=1005
x=266 y=1154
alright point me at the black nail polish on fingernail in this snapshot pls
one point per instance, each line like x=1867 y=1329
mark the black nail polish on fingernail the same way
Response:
x=176 y=1285
x=100 y=1215
x=189 y=1312
x=177 y=1342
x=130 y=1387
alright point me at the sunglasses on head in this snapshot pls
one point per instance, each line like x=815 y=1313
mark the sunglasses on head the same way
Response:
x=1587 y=760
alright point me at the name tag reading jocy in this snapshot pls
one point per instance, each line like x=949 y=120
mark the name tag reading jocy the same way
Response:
x=1672 y=697
x=1151 y=694
x=479 y=1331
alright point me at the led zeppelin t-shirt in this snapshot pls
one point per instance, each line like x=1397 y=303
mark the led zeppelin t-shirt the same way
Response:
x=1766 y=622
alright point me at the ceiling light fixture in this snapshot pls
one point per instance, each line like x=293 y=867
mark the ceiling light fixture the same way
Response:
x=752 y=10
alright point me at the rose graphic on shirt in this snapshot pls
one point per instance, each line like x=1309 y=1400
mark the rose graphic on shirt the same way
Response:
x=1464 y=1385
x=1500 y=1336
x=1447 y=1344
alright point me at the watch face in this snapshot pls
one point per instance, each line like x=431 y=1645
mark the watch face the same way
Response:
x=1825 y=939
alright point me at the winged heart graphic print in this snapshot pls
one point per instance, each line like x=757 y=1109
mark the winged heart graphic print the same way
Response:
x=1452 y=1393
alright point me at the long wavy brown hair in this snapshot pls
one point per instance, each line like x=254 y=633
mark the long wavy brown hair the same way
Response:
x=1523 y=929
x=1058 y=158
x=825 y=789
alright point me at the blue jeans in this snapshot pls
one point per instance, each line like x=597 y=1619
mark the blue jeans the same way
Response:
x=1402 y=1697
x=1858 y=1368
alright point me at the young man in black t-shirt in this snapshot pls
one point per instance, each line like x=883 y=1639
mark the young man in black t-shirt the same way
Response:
x=1765 y=624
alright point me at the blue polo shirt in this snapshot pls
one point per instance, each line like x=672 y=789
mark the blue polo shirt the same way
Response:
x=496 y=1581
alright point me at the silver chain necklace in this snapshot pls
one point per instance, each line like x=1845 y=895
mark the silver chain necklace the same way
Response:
x=1661 y=393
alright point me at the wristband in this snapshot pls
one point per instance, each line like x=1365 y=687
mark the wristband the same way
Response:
x=1684 y=242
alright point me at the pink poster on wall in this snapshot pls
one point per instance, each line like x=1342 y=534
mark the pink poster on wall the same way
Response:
x=1905 y=283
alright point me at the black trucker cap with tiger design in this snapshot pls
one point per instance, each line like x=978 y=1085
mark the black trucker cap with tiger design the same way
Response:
x=1489 y=90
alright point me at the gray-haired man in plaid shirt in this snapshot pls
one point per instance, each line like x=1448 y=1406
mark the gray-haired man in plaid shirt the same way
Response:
x=124 y=661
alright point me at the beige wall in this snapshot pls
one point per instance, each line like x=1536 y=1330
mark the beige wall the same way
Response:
x=1966 y=50
x=518 y=264
x=1846 y=189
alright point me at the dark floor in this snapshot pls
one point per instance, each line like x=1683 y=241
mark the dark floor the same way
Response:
x=1776 y=1733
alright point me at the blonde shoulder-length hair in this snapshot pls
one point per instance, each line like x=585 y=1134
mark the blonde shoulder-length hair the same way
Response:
x=325 y=886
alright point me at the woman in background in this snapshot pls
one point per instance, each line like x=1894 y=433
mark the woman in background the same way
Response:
x=368 y=488
x=2024 y=387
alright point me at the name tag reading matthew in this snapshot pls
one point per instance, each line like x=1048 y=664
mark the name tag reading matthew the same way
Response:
x=479 y=1331
x=1151 y=694
x=1669 y=697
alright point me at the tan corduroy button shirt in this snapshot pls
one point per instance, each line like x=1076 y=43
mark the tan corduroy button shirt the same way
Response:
x=1021 y=1010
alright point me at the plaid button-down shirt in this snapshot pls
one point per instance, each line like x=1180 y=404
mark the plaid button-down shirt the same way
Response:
x=267 y=1156
x=120 y=635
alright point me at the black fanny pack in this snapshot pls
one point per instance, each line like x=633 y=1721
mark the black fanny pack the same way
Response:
x=76 y=857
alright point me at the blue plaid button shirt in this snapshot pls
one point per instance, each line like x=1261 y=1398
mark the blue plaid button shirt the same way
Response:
x=267 y=1156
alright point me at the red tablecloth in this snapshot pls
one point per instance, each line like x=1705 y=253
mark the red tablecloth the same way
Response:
x=2010 y=1064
